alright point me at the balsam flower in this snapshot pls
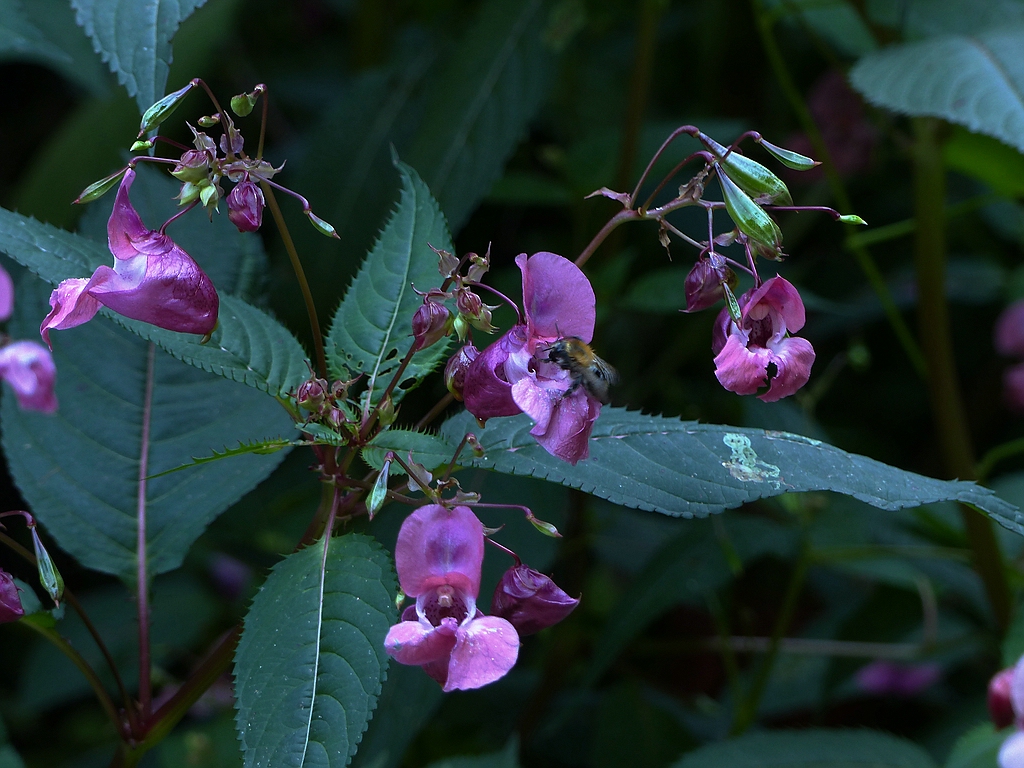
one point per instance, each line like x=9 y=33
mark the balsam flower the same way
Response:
x=28 y=367
x=513 y=375
x=438 y=557
x=152 y=280
x=758 y=351
x=1011 y=753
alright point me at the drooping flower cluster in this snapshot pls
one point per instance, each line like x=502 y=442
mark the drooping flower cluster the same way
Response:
x=152 y=280
x=515 y=375
x=26 y=365
x=758 y=351
x=439 y=555
x=1009 y=341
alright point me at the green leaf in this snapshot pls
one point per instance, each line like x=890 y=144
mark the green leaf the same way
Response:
x=21 y=39
x=978 y=748
x=687 y=469
x=481 y=104
x=429 y=450
x=507 y=758
x=80 y=468
x=984 y=158
x=811 y=748
x=975 y=81
x=372 y=329
x=311 y=659
x=134 y=39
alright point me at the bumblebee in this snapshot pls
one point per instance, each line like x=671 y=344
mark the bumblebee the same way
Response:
x=586 y=369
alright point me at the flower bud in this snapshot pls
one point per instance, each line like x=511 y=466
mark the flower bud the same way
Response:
x=193 y=165
x=431 y=323
x=311 y=394
x=243 y=103
x=705 y=283
x=478 y=266
x=245 y=205
x=530 y=601
x=752 y=177
x=455 y=370
x=386 y=412
x=10 y=602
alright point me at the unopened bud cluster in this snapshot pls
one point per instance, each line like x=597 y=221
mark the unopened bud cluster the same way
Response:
x=327 y=404
x=434 y=320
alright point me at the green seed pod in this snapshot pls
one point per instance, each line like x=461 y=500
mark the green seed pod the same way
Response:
x=752 y=177
x=322 y=226
x=243 y=103
x=750 y=218
x=789 y=158
x=49 y=576
x=732 y=304
x=99 y=188
x=379 y=492
x=160 y=111
x=852 y=218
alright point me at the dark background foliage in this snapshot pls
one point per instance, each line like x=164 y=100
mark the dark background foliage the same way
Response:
x=586 y=91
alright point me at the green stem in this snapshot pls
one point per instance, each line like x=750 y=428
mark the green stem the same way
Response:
x=300 y=275
x=867 y=264
x=936 y=341
x=747 y=710
x=997 y=454
x=79 y=661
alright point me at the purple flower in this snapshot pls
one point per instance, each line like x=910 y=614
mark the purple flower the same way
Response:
x=1000 y=705
x=10 y=601
x=886 y=678
x=1009 y=341
x=513 y=375
x=28 y=367
x=152 y=280
x=759 y=351
x=530 y=601
x=438 y=557
x=6 y=295
x=245 y=205
x=1011 y=754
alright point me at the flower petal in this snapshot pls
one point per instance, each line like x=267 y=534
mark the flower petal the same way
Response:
x=485 y=650
x=418 y=643
x=557 y=296
x=567 y=433
x=70 y=305
x=1011 y=754
x=28 y=367
x=6 y=295
x=739 y=369
x=1009 y=331
x=793 y=358
x=436 y=546
x=779 y=294
x=486 y=390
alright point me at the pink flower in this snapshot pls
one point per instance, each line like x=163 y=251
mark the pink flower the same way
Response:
x=513 y=375
x=438 y=557
x=759 y=351
x=28 y=367
x=1011 y=754
x=1009 y=341
x=152 y=280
